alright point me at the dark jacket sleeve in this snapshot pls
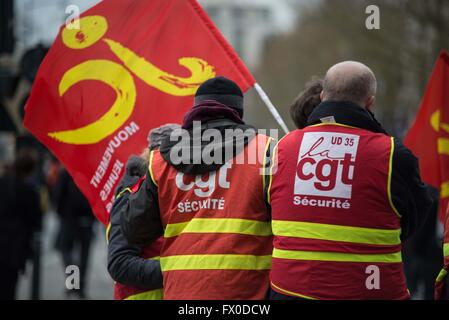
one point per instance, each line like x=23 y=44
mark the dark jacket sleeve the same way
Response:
x=124 y=262
x=140 y=220
x=409 y=194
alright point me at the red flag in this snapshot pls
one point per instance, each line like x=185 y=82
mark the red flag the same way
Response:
x=428 y=138
x=133 y=65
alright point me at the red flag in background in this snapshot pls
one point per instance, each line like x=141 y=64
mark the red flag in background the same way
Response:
x=428 y=138
x=132 y=66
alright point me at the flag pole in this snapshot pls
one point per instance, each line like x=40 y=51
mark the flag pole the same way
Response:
x=271 y=107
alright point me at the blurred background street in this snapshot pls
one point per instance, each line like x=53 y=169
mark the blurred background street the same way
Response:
x=52 y=274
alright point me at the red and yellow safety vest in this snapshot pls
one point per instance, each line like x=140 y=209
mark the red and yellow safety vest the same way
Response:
x=217 y=239
x=123 y=292
x=151 y=252
x=441 y=282
x=336 y=230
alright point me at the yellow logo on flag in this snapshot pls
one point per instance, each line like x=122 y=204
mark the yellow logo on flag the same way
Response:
x=119 y=78
x=443 y=145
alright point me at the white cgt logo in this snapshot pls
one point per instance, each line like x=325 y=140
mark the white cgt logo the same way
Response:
x=326 y=163
x=205 y=188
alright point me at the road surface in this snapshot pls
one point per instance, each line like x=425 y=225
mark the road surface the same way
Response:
x=99 y=284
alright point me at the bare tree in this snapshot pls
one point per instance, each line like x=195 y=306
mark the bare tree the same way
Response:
x=401 y=53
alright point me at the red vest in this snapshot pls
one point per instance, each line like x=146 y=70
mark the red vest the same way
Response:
x=217 y=240
x=123 y=292
x=441 y=281
x=151 y=252
x=336 y=231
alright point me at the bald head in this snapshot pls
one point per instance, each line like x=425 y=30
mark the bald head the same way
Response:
x=350 y=81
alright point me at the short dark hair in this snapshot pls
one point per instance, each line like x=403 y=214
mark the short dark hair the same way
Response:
x=306 y=102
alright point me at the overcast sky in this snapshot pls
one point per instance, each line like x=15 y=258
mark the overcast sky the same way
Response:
x=39 y=21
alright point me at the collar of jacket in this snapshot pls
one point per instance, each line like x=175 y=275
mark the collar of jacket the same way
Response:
x=347 y=113
x=210 y=110
x=237 y=142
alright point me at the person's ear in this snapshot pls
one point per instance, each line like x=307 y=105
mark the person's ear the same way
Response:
x=322 y=96
x=369 y=104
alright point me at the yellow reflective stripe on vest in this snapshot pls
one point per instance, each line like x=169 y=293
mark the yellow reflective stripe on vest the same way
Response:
x=123 y=192
x=215 y=262
x=264 y=175
x=154 y=258
x=333 y=124
x=108 y=230
x=157 y=294
x=442 y=275
x=291 y=292
x=274 y=162
x=390 y=175
x=200 y=225
x=446 y=249
x=150 y=168
x=337 y=256
x=331 y=232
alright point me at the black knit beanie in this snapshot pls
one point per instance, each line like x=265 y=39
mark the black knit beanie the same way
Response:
x=222 y=90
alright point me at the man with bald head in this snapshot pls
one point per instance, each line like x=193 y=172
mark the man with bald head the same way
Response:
x=350 y=81
x=343 y=196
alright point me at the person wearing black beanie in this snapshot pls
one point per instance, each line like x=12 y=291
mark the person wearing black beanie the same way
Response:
x=218 y=104
x=222 y=90
x=185 y=193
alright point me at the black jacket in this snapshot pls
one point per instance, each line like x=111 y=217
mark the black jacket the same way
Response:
x=410 y=195
x=140 y=218
x=124 y=262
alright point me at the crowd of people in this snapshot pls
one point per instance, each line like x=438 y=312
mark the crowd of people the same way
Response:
x=30 y=190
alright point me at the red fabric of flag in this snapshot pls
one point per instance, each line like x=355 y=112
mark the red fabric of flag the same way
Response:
x=428 y=137
x=132 y=65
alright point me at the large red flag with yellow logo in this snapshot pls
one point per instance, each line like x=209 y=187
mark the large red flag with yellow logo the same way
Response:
x=429 y=140
x=428 y=137
x=131 y=66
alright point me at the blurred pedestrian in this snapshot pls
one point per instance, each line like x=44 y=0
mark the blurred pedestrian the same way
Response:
x=344 y=196
x=75 y=234
x=136 y=270
x=422 y=255
x=52 y=169
x=20 y=217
